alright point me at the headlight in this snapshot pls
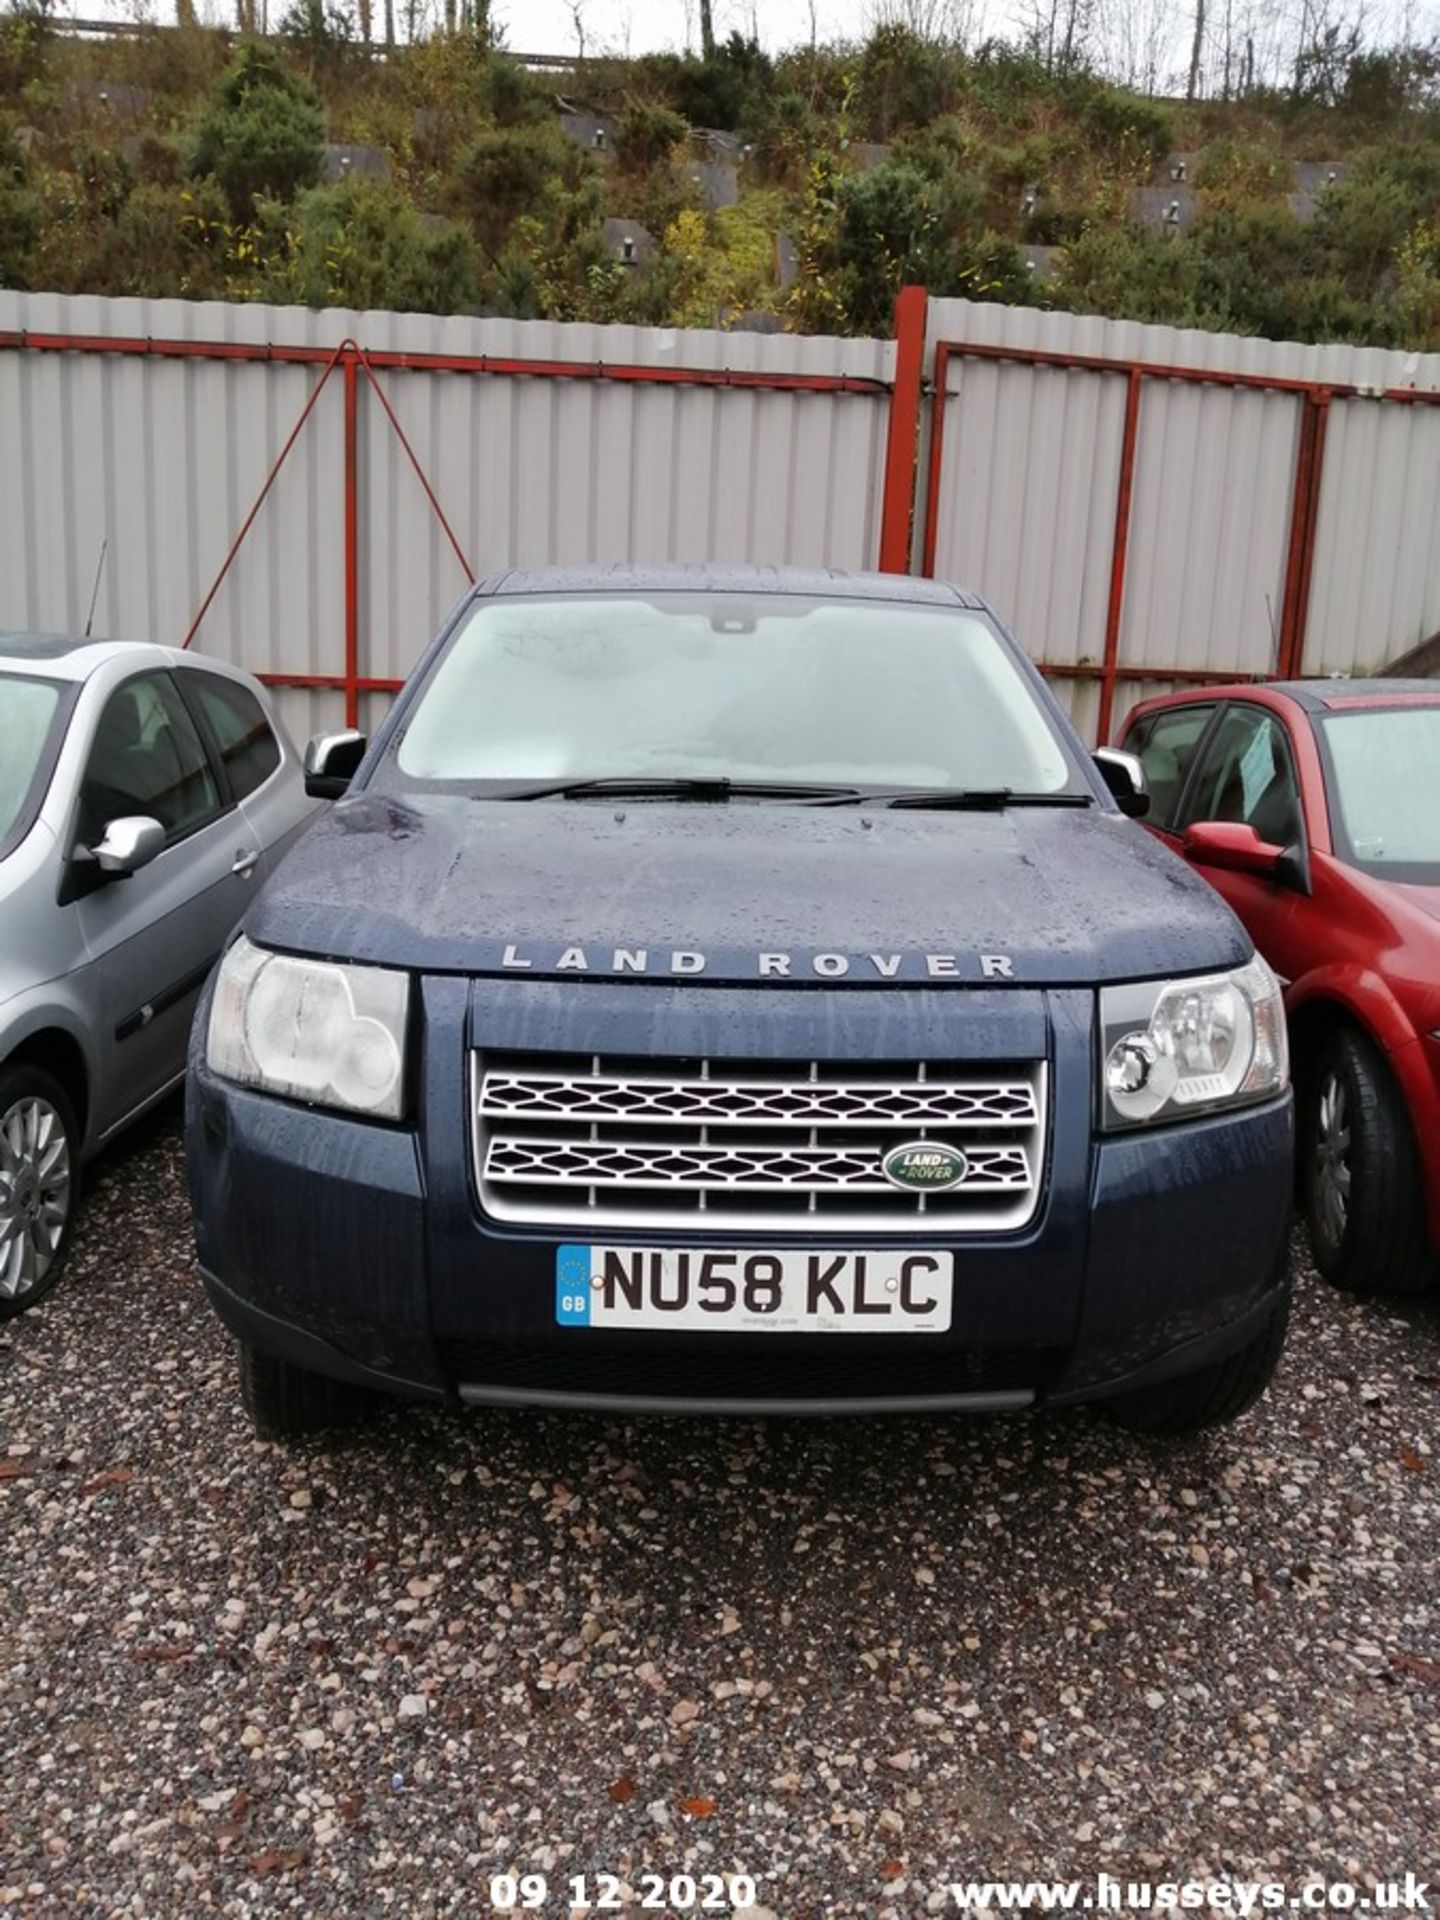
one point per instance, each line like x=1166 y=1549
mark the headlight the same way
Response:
x=1173 y=1048
x=315 y=1031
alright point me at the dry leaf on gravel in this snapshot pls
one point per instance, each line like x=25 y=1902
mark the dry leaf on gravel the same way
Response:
x=111 y=1477
x=1414 y=1665
x=278 y=1860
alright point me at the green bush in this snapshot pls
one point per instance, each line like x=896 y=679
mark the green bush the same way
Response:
x=263 y=134
x=505 y=174
x=1136 y=132
x=894 y=226
x=903 y=81
x=1246 y=263
x=510 y=94
x=1237 y=170
x=19 y=211
x=1005 y=85
x=1129 y=273
x=722 y=91
x=783 y=132
x=360 y=243
x=647 y=135
x=170 y=240
x=1364 y=218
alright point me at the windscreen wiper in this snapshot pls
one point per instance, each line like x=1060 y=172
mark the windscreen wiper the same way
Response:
x=981 y=799
x=642 y=787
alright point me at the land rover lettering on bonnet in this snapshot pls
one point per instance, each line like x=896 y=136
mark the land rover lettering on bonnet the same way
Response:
x=739 y=991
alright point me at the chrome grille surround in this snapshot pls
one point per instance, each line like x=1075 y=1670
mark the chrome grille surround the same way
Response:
x=599 y=1143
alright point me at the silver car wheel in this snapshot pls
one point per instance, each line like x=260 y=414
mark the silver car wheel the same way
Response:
x=35 y=1189
x=1332 y=1160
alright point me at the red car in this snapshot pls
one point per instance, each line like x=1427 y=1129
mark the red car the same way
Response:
x=1314 y=808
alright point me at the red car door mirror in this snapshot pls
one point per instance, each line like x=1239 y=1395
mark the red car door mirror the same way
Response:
x=1232 y=845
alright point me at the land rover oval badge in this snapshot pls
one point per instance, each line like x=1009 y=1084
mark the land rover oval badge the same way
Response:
x=925 y=1166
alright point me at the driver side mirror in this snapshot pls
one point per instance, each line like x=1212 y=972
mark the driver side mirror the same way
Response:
x=1236 y=847
x=1231 y=845
x=129 y=843
x=331 y=761
x=1124 y=775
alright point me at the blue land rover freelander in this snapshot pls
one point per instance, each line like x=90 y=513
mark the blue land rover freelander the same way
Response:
x=739 y=992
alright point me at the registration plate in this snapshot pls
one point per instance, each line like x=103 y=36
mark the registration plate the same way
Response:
x=696 y=1289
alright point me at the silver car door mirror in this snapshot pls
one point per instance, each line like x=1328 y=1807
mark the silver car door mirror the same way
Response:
x=129 y=843
x=1124 y=774
x=331 y=760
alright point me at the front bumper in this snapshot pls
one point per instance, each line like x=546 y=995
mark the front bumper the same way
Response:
x=360 y=1251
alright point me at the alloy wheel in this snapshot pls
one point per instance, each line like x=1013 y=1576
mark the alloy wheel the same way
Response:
x=35 y=1189
x=1332 y=1160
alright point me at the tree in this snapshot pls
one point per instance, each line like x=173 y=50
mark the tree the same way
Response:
x=1197 y=47
x=263 y=132
x=707 y=30
x=576 y=11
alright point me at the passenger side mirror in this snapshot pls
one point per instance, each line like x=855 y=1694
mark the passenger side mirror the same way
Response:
x=129 y=843
x=331 y=761
x=1238 y=848
x=1232 y=845
x=1124 y=775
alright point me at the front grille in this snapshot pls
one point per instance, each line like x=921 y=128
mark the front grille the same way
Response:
x=599 y=1142
x=591 y=1363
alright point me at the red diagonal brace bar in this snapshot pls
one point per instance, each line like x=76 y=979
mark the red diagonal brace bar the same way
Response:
x=238 y=541
x=420 y=474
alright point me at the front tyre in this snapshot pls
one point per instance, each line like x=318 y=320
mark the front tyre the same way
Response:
x=1211 y=1397
x=39 y=1185
x=285 y=1402
x=1359 y=1180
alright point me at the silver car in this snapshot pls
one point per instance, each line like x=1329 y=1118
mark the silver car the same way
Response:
x=144 y=795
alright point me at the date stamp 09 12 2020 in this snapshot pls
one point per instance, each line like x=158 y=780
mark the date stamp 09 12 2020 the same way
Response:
x=732 y=1893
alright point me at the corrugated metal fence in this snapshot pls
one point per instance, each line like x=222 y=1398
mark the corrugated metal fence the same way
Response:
x=436 y=448
x=1153 y=506
x=1147 y=506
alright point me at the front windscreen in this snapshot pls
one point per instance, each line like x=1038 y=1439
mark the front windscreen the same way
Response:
x=731 y=686
x=1383 y=780
x=28 y=710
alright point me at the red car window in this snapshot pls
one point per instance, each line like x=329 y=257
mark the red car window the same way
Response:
x=1166 y=743
x=1248 y=774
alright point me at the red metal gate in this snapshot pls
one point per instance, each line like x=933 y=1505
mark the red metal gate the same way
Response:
x=1315 y=398
x=355 y=362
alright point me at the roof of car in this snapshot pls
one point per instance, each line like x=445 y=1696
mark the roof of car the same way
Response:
x=1318 y=696
x=68 y=656
x=808 y=583
x=1314 y=696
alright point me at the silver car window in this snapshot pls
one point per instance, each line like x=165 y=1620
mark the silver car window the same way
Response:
x=29 y=710
x=147 y=758
x=247 y=744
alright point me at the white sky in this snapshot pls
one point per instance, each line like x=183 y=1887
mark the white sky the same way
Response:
x=1132 y=37
x=547 y=26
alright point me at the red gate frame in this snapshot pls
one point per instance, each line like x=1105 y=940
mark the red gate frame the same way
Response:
x=907 y=391
x=353 y=360
x=1316 y=396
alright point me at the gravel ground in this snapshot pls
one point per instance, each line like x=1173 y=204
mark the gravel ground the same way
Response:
x=851 y=1659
